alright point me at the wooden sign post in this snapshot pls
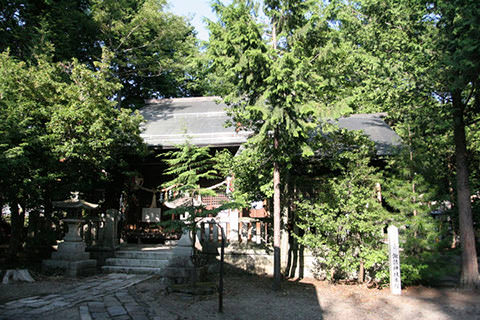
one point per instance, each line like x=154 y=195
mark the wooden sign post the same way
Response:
x=395 y=279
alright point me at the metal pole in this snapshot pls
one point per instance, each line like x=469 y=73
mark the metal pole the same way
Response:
x=220 y=285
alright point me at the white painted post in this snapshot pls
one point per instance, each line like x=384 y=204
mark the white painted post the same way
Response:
x=207 y=231
x=233 y=225
x=395 y=279
x=224 y=226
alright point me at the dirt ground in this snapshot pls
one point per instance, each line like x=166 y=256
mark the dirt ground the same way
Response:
x=251 y=297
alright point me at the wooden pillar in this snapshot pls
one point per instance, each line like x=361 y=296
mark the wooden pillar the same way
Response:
x=227 y=230
x=258 y=232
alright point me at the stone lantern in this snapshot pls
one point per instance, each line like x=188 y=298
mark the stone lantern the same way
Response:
x=71 y=256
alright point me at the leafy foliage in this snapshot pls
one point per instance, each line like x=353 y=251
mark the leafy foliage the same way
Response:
x=345 y=57
x=268 y=83
x=64 y=113
x=153 y=52
x=426 y=75
x=411 y=200
x=189 y=167
x=150 y=48
x=60 y=133
x=27 y=27
x=343 y=220
x=268 y=88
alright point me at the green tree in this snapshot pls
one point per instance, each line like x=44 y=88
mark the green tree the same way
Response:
x=411 y=200
x=150 y=48
x=342 y=217
x=27 y=27
x=25 y=164
x=190 y=167
x=426 y=69
x=60 y=132
x=153 y=51
x=459 y=75
x=267 y=74
x=96 y=142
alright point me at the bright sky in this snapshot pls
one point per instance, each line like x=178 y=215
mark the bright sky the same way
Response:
x=195 y=10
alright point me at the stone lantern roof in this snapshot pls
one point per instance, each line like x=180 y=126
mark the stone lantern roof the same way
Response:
x=74 y=203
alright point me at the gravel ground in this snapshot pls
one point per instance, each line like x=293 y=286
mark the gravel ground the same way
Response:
x=251 y=297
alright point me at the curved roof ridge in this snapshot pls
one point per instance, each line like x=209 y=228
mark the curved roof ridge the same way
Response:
x=185 y=99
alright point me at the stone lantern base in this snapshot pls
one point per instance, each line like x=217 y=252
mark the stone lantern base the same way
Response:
x=71 y=257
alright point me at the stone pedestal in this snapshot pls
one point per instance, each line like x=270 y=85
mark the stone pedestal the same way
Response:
x=182 y=253
x=71 y=256
x=108 y=234
x=180 y=268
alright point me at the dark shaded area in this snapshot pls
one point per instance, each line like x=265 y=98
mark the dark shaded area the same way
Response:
x=246 y=296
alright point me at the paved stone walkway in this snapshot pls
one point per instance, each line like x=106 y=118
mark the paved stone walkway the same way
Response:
x=101 y=297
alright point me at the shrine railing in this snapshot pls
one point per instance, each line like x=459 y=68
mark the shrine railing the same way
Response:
x=242 y=230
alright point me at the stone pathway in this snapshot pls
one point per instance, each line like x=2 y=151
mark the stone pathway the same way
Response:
x=97 y=298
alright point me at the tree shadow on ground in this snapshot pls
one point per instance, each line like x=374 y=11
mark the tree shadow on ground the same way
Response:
x=452 y=303
x=246 y=296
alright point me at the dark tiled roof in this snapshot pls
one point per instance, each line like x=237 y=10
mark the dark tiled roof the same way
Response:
x=386 y=140
x=202 y=120
x=168 y=122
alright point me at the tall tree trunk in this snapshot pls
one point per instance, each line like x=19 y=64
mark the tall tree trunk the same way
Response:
x=276 y=219
x=412 y=171
x=361 y=272
x=276 y=195
x=451 y=193
x=470 y=276
x=17 y=221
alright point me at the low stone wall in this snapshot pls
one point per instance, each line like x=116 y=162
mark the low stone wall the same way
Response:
x=260 y=261
x=253 y=261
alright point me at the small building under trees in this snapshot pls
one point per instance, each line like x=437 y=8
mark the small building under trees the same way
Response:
x=205 y=122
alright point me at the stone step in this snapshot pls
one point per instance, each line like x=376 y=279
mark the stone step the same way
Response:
x=147 y=247
x=171 y=274
x=154 y=263
x=147 y=255
x=133 y=270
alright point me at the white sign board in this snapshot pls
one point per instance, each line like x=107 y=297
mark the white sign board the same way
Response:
x=395 y=279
